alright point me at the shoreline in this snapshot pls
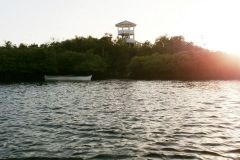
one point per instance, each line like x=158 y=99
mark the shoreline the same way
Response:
x=27 y=77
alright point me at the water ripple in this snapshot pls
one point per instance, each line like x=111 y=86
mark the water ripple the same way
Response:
x=120 y=119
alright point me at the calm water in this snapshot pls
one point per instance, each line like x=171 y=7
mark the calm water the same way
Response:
x=119 y=119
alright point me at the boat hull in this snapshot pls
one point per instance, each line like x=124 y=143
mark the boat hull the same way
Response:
x=68 y=78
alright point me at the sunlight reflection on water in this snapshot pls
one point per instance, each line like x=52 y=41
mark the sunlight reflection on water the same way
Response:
x=121 y=119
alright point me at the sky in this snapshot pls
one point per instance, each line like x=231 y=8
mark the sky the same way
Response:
x=212 y=24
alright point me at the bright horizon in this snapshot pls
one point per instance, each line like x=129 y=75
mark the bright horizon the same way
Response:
x=210 y=24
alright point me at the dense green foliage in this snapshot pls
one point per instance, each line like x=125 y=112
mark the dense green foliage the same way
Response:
x=188 y=65
x=167 y=58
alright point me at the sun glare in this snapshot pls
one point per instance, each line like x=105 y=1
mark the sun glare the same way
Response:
x=213 y=25
x=226 y=44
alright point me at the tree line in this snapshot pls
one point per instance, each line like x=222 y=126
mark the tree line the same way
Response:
x=166 y=58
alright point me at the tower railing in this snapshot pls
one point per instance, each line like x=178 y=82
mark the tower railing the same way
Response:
x=126 y=31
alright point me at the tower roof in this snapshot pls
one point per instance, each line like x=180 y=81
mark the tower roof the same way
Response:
x=125 y=24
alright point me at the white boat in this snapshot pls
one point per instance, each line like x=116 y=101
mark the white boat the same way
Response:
x=68 y=78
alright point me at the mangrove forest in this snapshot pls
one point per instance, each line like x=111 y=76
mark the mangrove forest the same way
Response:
x=168 y=58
